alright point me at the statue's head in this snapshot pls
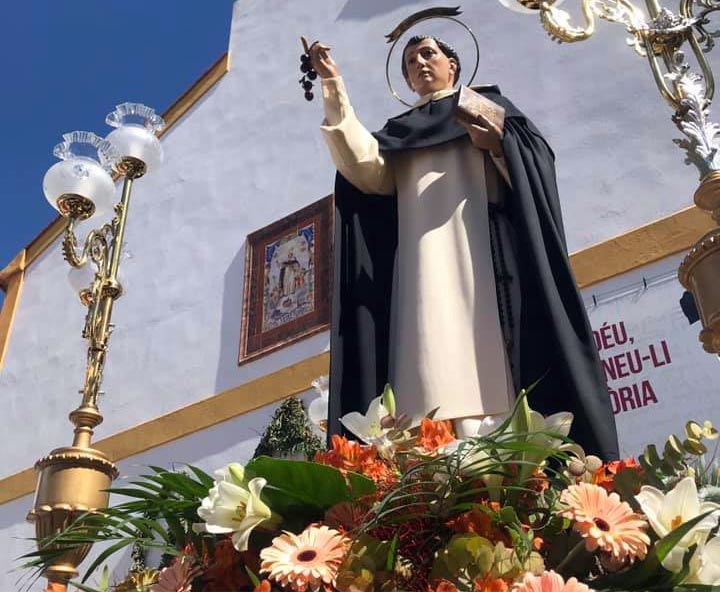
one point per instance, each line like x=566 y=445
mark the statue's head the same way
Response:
x=429 y=64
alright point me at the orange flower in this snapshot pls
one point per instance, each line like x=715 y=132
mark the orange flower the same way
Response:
x=308 y=561
x=263 y=586
x=605 y=475
x=377 y=470
x=345 y=454
x=605 y=521
x=479 y=521
x=434 y=434
x=349 y=455
x=549 y=582
x=488 y=584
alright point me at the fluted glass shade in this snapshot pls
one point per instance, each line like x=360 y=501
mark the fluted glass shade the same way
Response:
x=81 y=176
x=135 y=134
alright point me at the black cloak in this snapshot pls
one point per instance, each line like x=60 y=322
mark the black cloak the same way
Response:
x=551 y=337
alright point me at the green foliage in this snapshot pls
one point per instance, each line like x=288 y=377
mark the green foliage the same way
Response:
x=160 y=511
x=489 y=466
x=464 y=558
x=369 y=565
x=673 y=461
x=302 y=491
x=289 y=433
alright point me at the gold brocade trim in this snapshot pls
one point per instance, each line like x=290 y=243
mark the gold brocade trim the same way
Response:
x=654 y=241
x=198 y=416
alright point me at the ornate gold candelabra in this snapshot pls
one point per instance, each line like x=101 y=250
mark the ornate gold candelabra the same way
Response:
x=74 y=479
x=660 y=36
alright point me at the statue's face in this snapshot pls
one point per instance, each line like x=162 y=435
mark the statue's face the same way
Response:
x=428 y=68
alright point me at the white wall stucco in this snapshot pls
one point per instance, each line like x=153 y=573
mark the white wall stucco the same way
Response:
x=249 y=153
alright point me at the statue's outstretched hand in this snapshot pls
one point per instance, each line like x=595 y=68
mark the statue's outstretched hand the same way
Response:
x=322 y=62
x=484 y=138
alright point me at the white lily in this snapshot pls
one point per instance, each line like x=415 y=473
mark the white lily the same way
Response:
x=545 y=432
x=705 y=564
x=368 y=427
x=667 y=511
x=318 y=408
x=232 y=507
x=543 y=428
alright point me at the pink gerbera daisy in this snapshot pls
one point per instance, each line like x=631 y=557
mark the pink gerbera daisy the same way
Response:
x=305 y=561
x=605 y=521
x=549 y=582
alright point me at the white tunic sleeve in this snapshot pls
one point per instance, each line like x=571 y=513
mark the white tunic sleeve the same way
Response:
x=352 y=147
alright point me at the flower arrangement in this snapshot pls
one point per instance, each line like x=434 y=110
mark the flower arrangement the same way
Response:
x=411 y=508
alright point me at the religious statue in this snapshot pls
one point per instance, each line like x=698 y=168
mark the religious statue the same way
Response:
x=452 y=280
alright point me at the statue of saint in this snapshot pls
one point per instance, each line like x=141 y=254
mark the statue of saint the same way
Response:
x=452 y=280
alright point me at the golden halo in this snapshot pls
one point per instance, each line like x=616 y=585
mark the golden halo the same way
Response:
x=447 y=13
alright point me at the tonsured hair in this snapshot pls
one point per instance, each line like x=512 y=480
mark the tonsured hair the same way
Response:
x=446 y=48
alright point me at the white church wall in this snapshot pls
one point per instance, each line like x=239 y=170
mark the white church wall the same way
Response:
x=658 y=375
x=250 y=153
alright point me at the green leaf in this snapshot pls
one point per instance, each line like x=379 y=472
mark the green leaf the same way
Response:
x=392 y=553
x=388 y=399
x=627 y=482
x=294 y=483
x=135 y=493
x=105 y=578
x=253 y=578
x=666 y=544
x=104 y=555
x=202 y=476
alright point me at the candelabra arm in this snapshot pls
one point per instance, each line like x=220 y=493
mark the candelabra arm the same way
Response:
x=95 y=247
x=121 y=210
x=69 y=246
x=666 y=91
x=707 y=72
x=105 y=291
x=557 y=23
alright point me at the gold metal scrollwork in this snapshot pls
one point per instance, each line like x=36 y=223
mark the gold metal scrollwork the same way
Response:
x=557 y=22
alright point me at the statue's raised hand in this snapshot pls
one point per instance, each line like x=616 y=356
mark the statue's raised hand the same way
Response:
x=322 y=62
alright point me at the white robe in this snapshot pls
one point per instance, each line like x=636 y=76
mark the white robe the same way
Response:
x=446 y=345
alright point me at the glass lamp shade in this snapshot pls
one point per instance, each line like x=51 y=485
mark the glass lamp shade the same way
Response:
x=525 y=7
x=81 y=278
x=138 y=142
x=135 y=134
x=82 y=177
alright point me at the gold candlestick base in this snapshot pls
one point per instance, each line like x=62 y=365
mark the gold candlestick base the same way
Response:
x=700 y=274
x=707 y=196
x=72 y=481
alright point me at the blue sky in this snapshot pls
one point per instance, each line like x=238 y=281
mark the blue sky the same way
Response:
x=64 y=67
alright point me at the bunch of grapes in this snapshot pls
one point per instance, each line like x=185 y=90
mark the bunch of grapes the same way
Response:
x=309 y=74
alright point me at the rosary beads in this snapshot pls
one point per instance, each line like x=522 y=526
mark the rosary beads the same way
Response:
x=309 y=75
